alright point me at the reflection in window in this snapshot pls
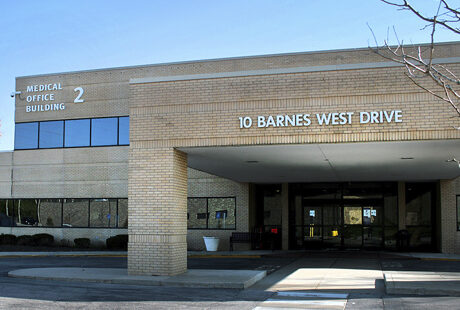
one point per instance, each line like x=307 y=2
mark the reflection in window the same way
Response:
x=75 y=213
x=6 y=213
x=197 y=207
x=51 y=134
x=77 y=132
x=104 y=131
x=123 y=134
x=221 y=213
x=123 y=213
x=211 y=213
x=103 y=213
x=26 y=212
x=458 y=212
x=26 y=136
x=50 y=212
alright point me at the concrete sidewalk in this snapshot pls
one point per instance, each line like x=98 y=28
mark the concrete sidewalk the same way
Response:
x=429 y=256
x=235 y=279
x=422 y=283
x=64 y=253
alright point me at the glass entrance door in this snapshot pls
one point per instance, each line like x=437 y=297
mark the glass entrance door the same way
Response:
x=352 y=226
x=372 y=226
x=312 y=223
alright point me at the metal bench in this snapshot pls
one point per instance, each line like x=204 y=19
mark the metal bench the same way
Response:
x=241 y=237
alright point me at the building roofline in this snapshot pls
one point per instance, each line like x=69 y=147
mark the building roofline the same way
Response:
x=221 y=59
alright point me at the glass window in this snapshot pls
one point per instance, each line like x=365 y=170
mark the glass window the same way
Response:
x=26 y=212
x=419 y=202
x=6 y=213
x=458 y=213
x=104 y=131
x=75 y=213
x=26 y=136
x=123 y=134
x=221 y=213
x=103 y=213
x=123 y=213
x=51 y=134
x=77 y=132
x=50 y=212
x=197 y=206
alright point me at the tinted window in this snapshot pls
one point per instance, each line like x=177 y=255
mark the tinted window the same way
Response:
x=103 y=213
x=77 y=132
x=26 y=136
x=104 y=131
x=6 y=212
x=75 y=213
x=50 y=212
x=51 y=134
x=26 y=212
x=123 y=213
x=123 y=135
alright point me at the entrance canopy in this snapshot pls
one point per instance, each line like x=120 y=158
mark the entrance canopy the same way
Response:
x=366 y=161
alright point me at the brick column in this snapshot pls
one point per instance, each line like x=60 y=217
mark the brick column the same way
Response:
x=157 y=224
x=448 y=216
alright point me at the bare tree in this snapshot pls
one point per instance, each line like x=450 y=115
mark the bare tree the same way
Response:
x=418 y=62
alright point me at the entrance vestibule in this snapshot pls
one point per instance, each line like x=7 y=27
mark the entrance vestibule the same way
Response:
x=352 y=215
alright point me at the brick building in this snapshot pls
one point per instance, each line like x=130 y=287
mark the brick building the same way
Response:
x=333 y=149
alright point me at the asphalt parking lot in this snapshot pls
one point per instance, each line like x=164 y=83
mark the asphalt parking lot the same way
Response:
x=40 y=294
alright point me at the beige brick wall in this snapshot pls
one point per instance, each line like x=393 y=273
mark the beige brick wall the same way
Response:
x=157 y=211
x=449 y=234
x=204 y=112
x=100 y=172
x=6 y=164
x=201 y=184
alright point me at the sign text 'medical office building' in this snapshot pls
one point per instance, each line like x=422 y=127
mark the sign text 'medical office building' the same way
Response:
x=333 y=149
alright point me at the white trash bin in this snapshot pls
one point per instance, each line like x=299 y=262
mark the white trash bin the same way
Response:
x=211 y=243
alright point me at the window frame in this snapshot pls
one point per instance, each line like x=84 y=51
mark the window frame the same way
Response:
x=37 y=137
x=63 y=134
x=62 y=213
x=64 y=131
x=91 y=132
x=458 y=211
x=207 y=212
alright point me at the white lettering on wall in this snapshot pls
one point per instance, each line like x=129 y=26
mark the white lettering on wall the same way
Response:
x=46 y=93
x=323 y=119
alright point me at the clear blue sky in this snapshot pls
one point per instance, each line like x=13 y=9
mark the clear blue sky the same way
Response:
x=43 y=36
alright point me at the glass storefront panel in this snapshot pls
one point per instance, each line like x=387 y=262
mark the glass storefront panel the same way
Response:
x=6 y=213
x=51 y=134
x=197 y=213
x=123 y=131
x=104 y=131
x=26 y=136
x=390 y=237
x=103 y=213
x=221 y=213
x=75 y=212
x=332 y=236
x=26 y=212
x=373 y=236
x=50 y=212
x=123 y=213
x=77 y=132
x=352 y=236
x=352 y=215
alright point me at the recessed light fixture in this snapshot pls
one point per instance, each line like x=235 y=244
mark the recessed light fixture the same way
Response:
x=407 y=157
x=252 y=161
